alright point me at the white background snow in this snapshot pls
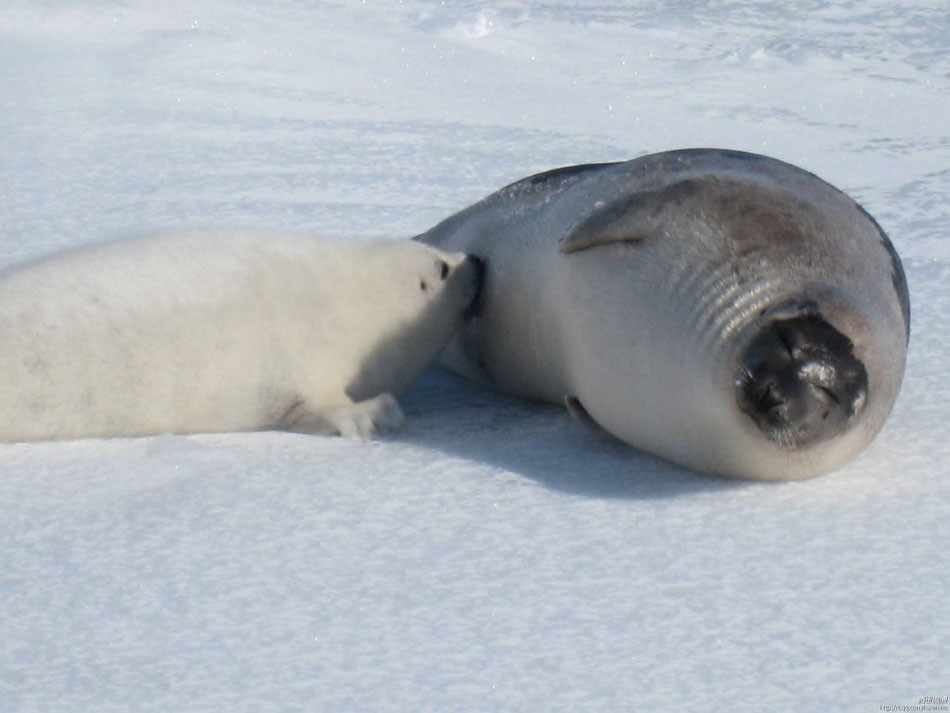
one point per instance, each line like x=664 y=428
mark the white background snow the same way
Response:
x=494 y=556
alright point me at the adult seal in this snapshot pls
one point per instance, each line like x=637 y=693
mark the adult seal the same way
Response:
x=211 y=332
x=724 y=310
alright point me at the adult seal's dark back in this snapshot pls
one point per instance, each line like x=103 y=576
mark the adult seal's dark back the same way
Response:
x=724 y=310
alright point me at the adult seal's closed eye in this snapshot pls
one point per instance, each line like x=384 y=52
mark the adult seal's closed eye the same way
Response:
x=210 y=332
x=725 y=310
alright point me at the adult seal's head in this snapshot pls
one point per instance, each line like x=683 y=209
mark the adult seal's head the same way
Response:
x=725 y=310
x=800 y=381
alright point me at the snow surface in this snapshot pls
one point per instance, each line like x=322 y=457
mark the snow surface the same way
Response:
x=494 y=556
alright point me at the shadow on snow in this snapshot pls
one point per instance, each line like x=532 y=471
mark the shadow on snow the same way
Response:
x=539 y=441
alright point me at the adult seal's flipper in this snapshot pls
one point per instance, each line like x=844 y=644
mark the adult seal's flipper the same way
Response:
x=579 y=414
x=630 y=218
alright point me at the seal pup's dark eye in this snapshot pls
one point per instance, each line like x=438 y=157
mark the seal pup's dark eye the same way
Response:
x=443 y=268
x=423 y=285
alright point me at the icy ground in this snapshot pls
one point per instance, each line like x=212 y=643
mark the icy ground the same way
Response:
x=494 y=556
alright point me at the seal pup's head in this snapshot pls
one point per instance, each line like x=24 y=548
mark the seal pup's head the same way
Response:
x=450 y=282
x=420 y=297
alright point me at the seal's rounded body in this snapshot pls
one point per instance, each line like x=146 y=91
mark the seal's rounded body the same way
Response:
x=211 y=332
x=727 y=311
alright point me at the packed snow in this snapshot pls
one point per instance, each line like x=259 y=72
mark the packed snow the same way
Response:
x=494 y=556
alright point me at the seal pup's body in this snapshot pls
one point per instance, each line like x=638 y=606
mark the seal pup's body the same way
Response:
x=212 y=332
x=724 y=310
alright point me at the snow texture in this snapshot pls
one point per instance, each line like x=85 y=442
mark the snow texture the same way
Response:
x=494 y=556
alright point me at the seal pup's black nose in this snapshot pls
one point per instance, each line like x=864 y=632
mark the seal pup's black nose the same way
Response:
x=474 y=308
x=800 y=381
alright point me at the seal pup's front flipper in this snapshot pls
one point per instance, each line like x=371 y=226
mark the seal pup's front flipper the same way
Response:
x=359 y=420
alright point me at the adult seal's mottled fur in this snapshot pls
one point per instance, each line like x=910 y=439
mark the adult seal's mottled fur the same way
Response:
x=210 y=332
x=724 y=310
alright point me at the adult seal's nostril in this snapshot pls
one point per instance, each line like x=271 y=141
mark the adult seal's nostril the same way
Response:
x=728 y=311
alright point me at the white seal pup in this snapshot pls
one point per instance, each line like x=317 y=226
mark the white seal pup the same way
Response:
x=212 y=332
x=725 y=310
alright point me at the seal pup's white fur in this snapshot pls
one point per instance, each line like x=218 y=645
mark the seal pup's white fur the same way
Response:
x=213 y=332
